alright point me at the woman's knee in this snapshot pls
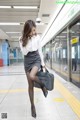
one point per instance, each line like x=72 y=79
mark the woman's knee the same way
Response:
x=32 y=77
x=30 y=84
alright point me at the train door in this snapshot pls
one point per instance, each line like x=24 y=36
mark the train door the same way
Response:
x=75 y=52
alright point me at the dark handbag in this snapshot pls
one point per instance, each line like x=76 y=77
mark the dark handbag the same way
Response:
x=46 y=78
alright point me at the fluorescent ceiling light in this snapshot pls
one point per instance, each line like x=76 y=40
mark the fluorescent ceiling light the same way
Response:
x=56 y=39
x=64 y=32
x=5 y=6
x=2 y=23
x=12 y=32
x=74 y=36
x=40 y=23
x=25 y=7
x=78 y=23
x=15 y=36
x=72 y=31
x=61 y=36
x=53 y=42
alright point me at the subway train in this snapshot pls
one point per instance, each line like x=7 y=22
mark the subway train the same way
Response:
x=61 y=43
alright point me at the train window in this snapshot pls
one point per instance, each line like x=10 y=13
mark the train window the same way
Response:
x=78 y=51
x=47 y=54
x=73 y=52
x=64 y=53
x=59 y=53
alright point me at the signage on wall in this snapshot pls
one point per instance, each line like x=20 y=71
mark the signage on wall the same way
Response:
x=75 y=40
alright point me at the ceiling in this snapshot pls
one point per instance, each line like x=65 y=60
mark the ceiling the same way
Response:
x=46 y=9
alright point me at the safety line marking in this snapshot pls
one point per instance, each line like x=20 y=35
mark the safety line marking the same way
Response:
x=58 y=99
x=16 y=90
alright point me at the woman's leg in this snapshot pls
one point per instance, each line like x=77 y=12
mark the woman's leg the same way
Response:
x=31 y=95
x=30 y=89
x=33 y=77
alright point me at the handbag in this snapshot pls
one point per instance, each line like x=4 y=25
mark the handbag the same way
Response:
x=47 y=79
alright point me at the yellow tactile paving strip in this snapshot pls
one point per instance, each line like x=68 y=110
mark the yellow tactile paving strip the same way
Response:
x=58 y=99
x=72 y=101
x=15 y=90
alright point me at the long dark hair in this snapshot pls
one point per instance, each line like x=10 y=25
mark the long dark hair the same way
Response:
x=26 y=31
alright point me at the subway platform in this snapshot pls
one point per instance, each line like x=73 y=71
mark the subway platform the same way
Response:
x=62 y=103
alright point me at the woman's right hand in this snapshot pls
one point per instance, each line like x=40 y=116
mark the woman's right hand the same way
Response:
x=44 y=68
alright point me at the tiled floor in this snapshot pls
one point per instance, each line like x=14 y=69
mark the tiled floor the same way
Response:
x=14 y=99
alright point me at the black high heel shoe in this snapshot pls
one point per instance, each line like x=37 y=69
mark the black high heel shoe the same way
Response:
x=33 y=111
x=45 y=92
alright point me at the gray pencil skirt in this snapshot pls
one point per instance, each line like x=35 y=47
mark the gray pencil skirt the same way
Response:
x=32 y=59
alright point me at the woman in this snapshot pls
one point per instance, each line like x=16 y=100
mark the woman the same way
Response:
x=33 y=59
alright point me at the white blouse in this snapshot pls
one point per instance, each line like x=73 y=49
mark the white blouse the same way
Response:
x=33 y=44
